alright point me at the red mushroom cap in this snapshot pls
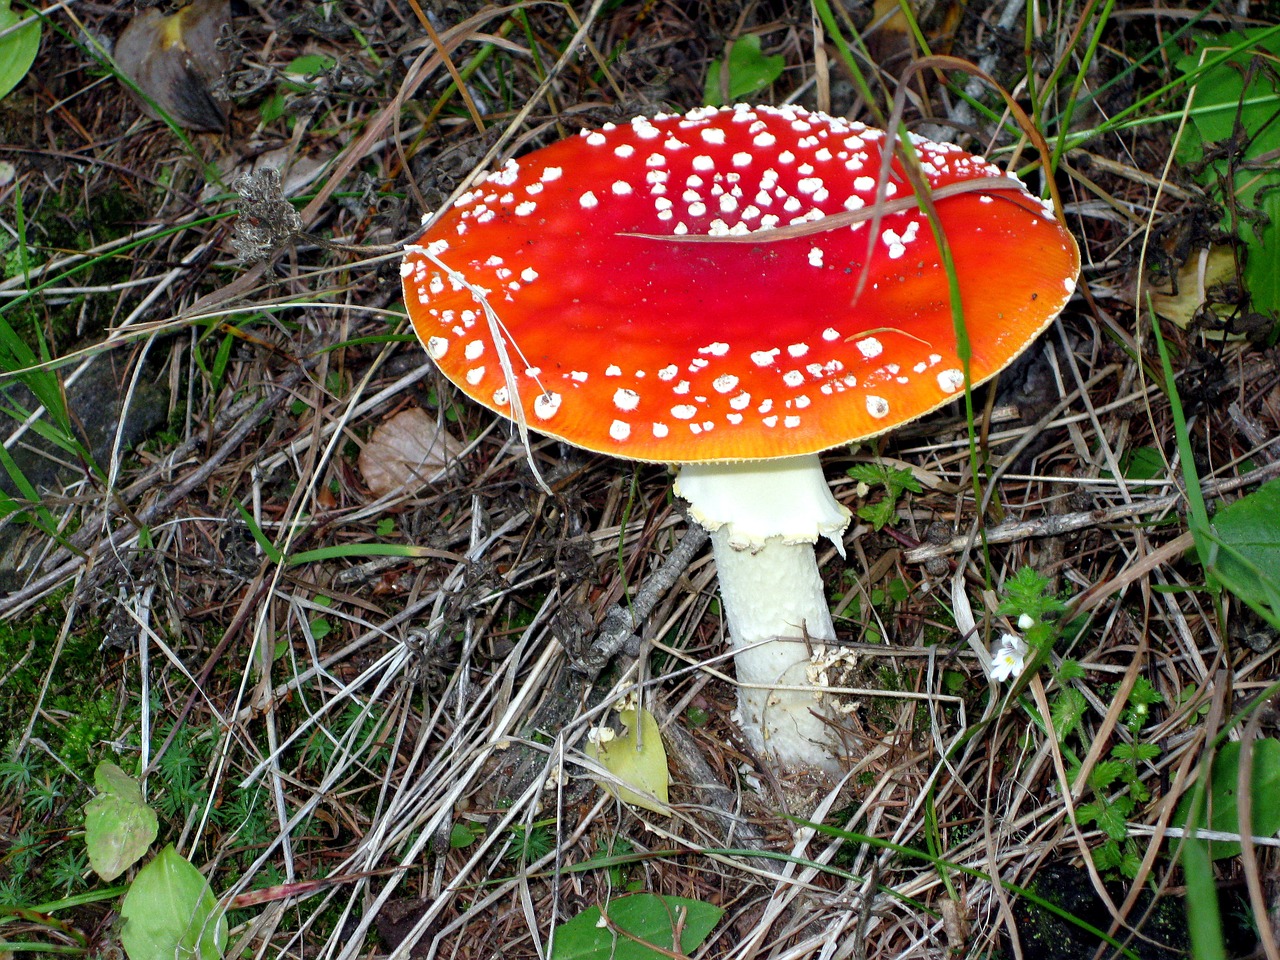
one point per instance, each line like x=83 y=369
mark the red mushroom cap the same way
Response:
x=651 y=349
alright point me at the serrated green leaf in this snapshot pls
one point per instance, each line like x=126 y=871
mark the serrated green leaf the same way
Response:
x=868 y=473
x=749 y=71
x=1107 y=855
x=118 y=824
x=1070 y=669
x=1067 y=710
x=1144 y=692
x=1105 y=773
x=17 y=50
x=1135 y=752
x=900 y=481
x=1224 y=813
x=1089 y=812
x=170 y=911
x=638 y=759
x=1130 y=864
x=1111 y=822
x=629 y=925
x=878 y=514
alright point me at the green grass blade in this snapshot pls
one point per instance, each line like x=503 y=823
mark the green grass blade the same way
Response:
x=1197 y=514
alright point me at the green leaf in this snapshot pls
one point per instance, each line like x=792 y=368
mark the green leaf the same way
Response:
x=118 y=824
x=899 y=481
x=302 y=69
x=1090 y=812
x=17 y=50
x=1114 y=816
x=1204 y=923
x=1070 y=669
x=1246 y=558
x=749 y=71
x=272 y=109
x=1105 y=773
x=1143 y=463
x=461 y=837
x=627 y=924
x=308 y=65
x=1144 y=692
x=1067 y=710
x=1135 y=752
x=1221 y=93
x=1241 y=178
x=1109 y=817
x=895 y=481
x=638 y=759
x=1107 y=856
x=1027 y=591
x=1262 y=271
x=868 y=473
x=273 y=552
x=878 y=514
x=1224 y=812
x=1130 y=862
x=170 y=911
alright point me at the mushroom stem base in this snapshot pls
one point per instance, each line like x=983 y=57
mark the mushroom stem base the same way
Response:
x=771 y=631
x=764 y=519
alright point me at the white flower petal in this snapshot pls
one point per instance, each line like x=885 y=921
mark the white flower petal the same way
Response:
x=1008 y=660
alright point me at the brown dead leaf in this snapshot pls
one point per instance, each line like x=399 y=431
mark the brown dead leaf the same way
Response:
x=175 y=60
x=406 y=453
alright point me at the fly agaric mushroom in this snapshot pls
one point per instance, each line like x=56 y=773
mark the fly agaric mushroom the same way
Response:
x=558 y=293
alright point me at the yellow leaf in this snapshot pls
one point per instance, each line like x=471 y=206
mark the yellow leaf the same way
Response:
x=1204 y=270
x=638 y=759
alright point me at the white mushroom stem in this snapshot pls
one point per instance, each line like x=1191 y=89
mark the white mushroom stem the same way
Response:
x=764 y=518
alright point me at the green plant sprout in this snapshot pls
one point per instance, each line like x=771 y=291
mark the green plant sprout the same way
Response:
x=612 y=854
x=530 y=843
x=1028 y=597
x=1115 y=782
x=895 y=480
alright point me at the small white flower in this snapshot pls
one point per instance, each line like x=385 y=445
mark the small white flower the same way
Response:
x=601 y=734
x=1009 y=658
x=1026 y=622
